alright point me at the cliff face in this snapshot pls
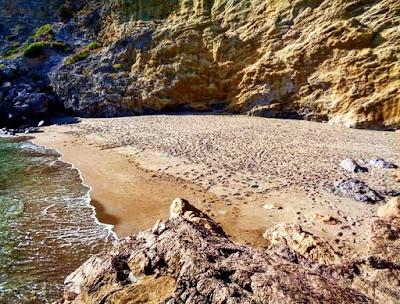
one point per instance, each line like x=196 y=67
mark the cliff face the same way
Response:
x=189 y=259
x=313 y=59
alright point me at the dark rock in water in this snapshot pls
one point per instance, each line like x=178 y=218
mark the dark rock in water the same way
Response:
x=357 y=190
x=350 y=165
x=381 y=163
x=189 y=259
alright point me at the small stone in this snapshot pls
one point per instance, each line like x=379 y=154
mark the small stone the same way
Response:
x=381 y=163
x=357 y=190
x=6 y=85
x=350 y=165
x=271 y=207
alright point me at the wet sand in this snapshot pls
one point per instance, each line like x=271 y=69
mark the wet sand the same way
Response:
x=248 y=173
x=128 y=196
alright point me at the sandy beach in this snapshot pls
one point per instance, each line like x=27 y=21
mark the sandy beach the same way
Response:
x=247 y=173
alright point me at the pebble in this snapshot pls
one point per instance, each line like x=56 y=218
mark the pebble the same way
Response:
x=350 y=165
x=381 y=163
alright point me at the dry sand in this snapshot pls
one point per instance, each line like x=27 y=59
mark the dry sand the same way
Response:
x=248 y=173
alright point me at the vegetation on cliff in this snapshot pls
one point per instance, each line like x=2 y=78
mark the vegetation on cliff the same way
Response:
x=320 y=60
x=317 y=60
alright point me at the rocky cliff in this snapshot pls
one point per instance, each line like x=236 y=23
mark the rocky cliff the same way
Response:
x=189 y=259
x=321 y=60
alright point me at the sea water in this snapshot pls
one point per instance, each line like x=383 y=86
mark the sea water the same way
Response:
x=47 y=225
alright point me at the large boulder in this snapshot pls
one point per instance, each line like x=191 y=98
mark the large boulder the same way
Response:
x=189 y=259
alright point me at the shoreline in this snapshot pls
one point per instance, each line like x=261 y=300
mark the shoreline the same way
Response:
x=144 y=196
x=109 y=226
x=136 y=166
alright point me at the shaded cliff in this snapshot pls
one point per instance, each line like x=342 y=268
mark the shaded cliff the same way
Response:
x=321 y=60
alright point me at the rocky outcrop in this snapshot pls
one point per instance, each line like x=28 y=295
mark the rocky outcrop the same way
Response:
x=319 y=60
x=25 y=97
x=19 y=18
x=31 y=50
x=303 y=243
x=189 y=259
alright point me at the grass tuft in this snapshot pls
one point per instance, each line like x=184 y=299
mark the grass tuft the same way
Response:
x=93 y=45
x=35 y=49
x=84 y=53
x=45 y=31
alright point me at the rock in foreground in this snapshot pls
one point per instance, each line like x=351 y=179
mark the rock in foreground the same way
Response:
x=189 y=259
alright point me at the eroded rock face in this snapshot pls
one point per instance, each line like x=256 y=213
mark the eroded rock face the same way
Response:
x=188 y=259
x=320 y=60
x=301 y=242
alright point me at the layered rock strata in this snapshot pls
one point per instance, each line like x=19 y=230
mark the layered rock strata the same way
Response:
x=321 y=60
x=318 y=60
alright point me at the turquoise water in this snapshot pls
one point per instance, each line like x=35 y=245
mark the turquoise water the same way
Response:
x=47 y=226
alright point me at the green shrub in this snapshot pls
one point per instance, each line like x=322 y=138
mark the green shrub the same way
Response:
x=82 y=55
x=11 y=37
x=35 y=49
x=2 y=66
x=44 y=31
x=11 y=52
x=93 y=45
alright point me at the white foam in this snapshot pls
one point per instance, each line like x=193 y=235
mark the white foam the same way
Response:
x=108 y=227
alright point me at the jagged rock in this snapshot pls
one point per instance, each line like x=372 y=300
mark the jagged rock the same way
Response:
x=182 y=260
x=391 y=209
x=381 y=163
x=385 y=239
x=357 y=190
x=350 y=165
x=301 y=242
